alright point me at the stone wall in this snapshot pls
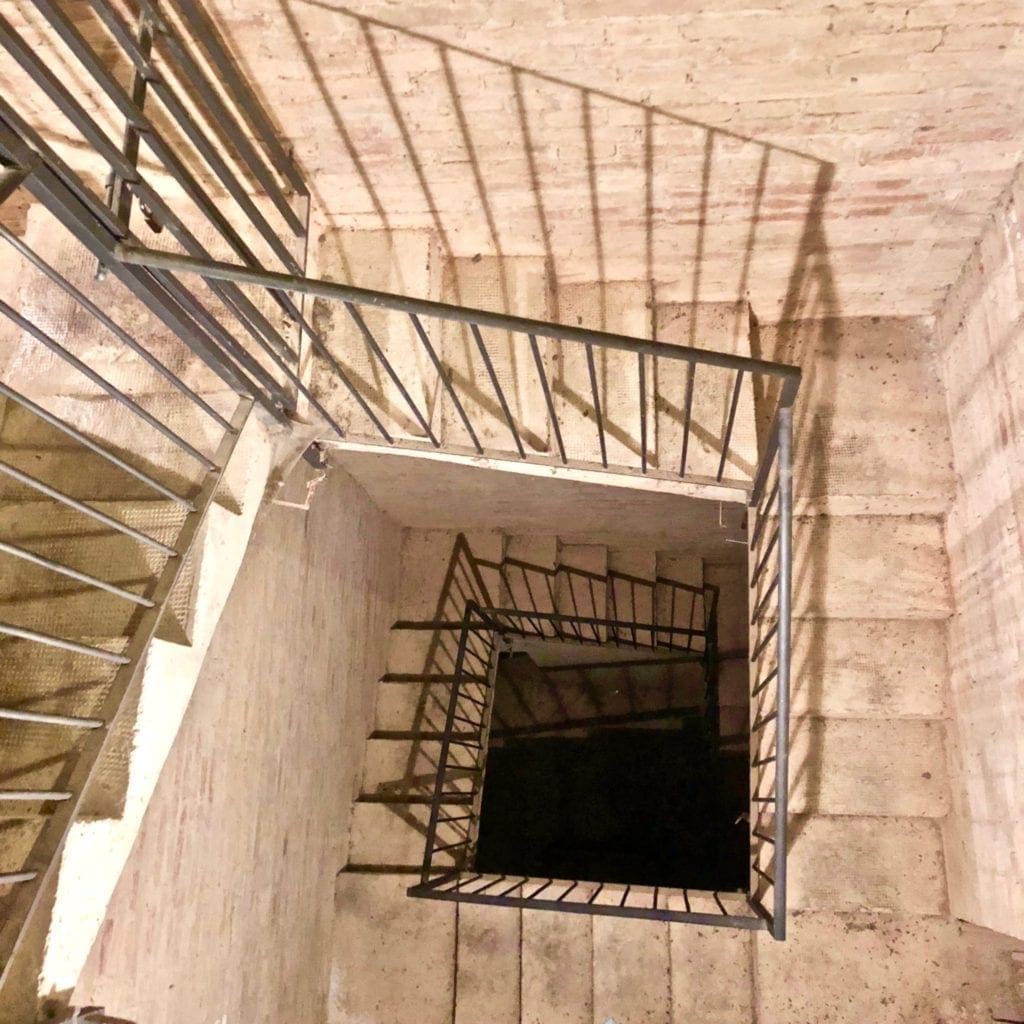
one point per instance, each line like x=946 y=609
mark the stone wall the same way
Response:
x=980 y=332
x=223 y=910
x=715 y=149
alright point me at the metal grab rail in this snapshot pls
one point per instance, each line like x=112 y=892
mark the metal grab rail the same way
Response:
x=481 y=398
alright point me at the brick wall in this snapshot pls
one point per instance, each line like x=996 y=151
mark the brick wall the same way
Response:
x=980 y=332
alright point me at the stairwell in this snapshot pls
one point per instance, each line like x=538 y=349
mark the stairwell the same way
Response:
x=451 y=436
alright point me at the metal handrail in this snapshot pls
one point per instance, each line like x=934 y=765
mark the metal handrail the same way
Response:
x=785 y=377
x=318 y=288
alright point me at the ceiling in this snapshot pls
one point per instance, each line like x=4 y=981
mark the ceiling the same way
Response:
x=833 y=159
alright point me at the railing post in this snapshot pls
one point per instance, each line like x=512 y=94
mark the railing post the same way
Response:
x=782 y=683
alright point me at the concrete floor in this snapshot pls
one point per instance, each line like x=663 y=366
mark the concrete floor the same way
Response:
x=237 y=853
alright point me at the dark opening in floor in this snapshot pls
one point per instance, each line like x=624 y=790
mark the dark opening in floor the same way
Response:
x=605 y=770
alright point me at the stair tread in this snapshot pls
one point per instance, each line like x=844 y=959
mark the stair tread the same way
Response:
x=402 y=262
x=868 y=767
x=848 y=864
x=393 y=835
x=557 y=984
x=871 y=567
x=712 y=967
x=861 y=668
x=518 y=285
x=918 y=968
x=619 y=307
x=631 y=969
x=393 y=956
x=488 y=965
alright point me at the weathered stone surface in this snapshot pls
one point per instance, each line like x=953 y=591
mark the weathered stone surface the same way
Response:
x=868 y=766
x=619 y=307
x=857 y=863
x=863 y=567
x=871 y=435
x=631 y=971
x=712 y=976
x=892 y=969
x=393 y=957
x=488 y=972
x=404 y=262
x=557 y=986
x=520 y=286
x=869 y=668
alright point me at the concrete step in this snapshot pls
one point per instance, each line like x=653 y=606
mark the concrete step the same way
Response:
x=869 y=668
x=849 y=864
x=488 y=965
x=907 y=968
x=525 y=696
x=632 y=696
x=519 y=285
x=411 y=706
x=630 y=595
x=34 y=446
x=34 y=597
x=557 y=982
x=631 y=971
x=712 y=973
x=177 y=624
x=582 y=592
x=672 y=610
x=620 y=307
x=872 y=437
x=394 y=957
x=721 y=327
x=426 y=561
x=402 y=767
x=403 y=262
x=417 y=652
x=525 y=588
x=868 y=767
x=870 y=567
x=64 y=320
x=394 y=835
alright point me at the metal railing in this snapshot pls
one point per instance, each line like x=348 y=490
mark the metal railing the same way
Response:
x=447 y=871
x=205 y=179
x=461 y=404
x=485 y=384
x=774 y=392
x=585 y=617
x=110 y=463
x=771 y=561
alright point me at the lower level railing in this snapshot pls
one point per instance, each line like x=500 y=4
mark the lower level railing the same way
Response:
x=447 y=871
